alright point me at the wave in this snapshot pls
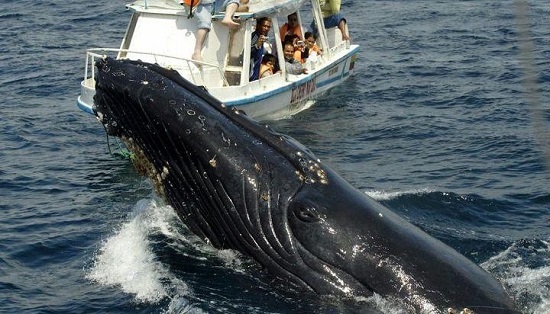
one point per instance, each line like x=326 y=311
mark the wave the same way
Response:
x=385 y=196
x=523 y=268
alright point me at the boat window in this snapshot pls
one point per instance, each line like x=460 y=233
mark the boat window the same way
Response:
x=308 y=21
x=271 y=33
x=287 y=24
x=235 y=56
x=270 y=46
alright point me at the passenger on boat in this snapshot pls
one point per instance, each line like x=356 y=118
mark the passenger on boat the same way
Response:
x=260 y=46
x=267 y=68
x=333 y=18
x=312 y=44
x=291 y=27
x=203 y=15
x=300 y=49
x=292 y=66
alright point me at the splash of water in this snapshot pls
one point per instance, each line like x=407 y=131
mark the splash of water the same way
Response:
x=126 y=259
x=527 y=278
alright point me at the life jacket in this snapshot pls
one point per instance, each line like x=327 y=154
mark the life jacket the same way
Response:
x=285 y=31
x=298 y=56
x=190 y=3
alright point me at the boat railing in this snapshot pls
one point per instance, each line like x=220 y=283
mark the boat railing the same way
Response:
x=340 y=46
x=192 y=70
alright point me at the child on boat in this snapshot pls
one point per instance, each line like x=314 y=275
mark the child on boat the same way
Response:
x=268 y=65
x=312 y=44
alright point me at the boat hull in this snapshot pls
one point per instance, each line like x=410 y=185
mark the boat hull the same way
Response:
x=294 y=96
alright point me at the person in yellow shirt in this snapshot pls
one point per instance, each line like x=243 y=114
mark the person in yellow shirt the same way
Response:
x=332 y=17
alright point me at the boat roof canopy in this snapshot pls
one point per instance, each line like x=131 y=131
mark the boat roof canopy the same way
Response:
x=258 y=8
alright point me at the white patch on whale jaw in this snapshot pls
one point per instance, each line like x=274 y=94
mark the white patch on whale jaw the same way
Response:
x=409 y=287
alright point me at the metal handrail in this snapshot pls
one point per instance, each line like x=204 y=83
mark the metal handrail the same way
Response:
x=93 y=53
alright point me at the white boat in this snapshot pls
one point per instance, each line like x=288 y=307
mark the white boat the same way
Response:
x=160 y=31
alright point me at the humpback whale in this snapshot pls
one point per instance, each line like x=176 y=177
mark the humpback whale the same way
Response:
x=240 y=185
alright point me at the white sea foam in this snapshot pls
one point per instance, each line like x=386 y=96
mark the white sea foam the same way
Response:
x=383 y=304
x=127 y=260
x=529 y=284
x=384 y=196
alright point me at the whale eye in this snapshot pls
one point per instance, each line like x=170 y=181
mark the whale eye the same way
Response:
x=306 y=212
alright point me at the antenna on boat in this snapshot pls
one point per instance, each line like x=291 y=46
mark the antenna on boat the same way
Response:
x=526 y=61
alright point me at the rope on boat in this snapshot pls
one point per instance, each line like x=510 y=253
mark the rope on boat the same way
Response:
x=121 y=152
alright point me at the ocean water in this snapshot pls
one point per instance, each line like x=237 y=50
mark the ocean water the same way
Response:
x=436 y=124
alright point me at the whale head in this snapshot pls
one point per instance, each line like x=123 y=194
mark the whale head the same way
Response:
x=240 y=185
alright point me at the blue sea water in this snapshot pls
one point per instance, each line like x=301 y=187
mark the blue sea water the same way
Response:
x=436 y=124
